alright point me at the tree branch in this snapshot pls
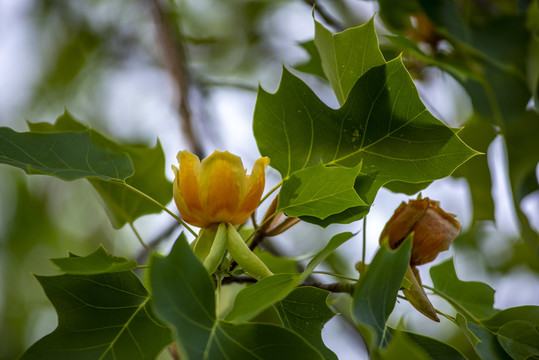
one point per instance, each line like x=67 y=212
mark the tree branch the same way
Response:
x=324 y=14
x=338 y=287
x=175 y=60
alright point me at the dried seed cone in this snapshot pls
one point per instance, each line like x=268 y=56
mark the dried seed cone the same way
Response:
x=434 y=229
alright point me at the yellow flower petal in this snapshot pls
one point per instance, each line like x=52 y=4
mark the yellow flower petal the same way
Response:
x=186 y=188
x=217 y=190
x=221 y=180
x=253 y=191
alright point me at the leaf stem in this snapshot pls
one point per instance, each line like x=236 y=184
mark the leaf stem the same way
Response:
x=268 y=219
x=218 y=279
x=335 y=275
x=271 y=192
x=448 y=317
x=146 y=247
x=364 y=250
x=152 y=200
x=338 y=287
x=455 y=304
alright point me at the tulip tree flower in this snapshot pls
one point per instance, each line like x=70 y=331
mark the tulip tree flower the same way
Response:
x=216 y=195
x=433 y=230
x=217 y=189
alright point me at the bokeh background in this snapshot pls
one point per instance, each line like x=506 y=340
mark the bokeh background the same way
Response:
x=139 y=71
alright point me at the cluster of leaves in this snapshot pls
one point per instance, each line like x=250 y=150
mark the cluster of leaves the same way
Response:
x=490 y=48
x=104 y=311
x=332 y=164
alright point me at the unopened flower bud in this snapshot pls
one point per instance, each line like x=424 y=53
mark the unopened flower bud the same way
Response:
x=434 y=229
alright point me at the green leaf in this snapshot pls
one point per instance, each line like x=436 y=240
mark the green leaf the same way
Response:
x=314 y=65
x=402 y=348
x=526 y=313
x=383 y=125
x=277 y=264
x=98 y=262
x=320 y=191
x=363 y=185
x=376 y=292
x=122 y=204
x=523 y=156
x=408 y=188
x=305 y=311
x=445 y=16
x=520 y=339
x=68 y=156
x=185 y=298
x=255 y=298
x=483 y=340
x=332 y=245
x=105 y=316
x=346 y=56
x=473 y=298
x=479 y=133
x=396 y=13
x=462 y=323
x=258 y=341
x=436 y=349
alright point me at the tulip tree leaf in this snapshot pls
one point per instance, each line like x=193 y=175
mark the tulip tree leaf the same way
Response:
x=320 y=191
x=376 y=292
x=122 y=204
x=277 y=264
x=363 y=185
x=98 y=262
x=401 y=347
x=185 y=298
x=322 y=255
x=396 y=14
x=436 y=349
x=479 y=133
x=482 y=339
x=68 y=155
x=305 y=311
x=519 y=339
x=527 y=313
x=382 y=124
x=523 y=157
x=312 y=66
x=256 y=298
x=105 y=316
x=472 y=297
x=347 y=55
